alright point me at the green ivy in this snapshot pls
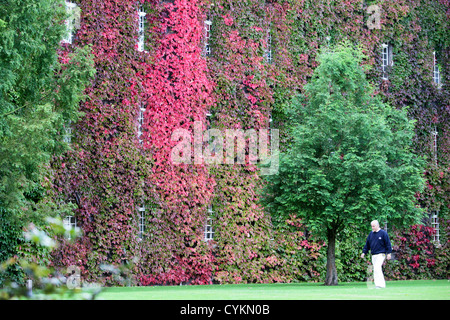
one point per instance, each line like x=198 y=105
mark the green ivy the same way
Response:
x=10 y=238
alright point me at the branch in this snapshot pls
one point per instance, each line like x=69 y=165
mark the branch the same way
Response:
x=24 y=105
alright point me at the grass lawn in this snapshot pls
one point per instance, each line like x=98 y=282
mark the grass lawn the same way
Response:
x=395 y=290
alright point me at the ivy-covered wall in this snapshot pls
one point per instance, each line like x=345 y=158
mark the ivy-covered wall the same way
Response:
x=177 y=95
x=104 y=172
x=109 y=173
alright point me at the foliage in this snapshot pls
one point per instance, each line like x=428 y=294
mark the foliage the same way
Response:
x=297 y=253
x=351 y=157
x=349 y=265
x=10 y=237
x=237 y=66
x=46 y=283
x=106 y=173
x=240 y=90
x=417 y=256
x=176 y=94
x=39 y=95
x=103 y=173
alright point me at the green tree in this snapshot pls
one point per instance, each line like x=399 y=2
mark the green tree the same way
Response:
x=350 y=160
x=40 y=90
x=42 y=83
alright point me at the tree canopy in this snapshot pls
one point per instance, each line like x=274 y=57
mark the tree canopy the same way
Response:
x=42 y=82
x=42 y=85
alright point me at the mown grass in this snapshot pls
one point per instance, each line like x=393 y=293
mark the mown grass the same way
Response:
x=395 y=290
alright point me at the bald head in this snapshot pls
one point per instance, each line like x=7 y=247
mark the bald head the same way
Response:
x=375 y=225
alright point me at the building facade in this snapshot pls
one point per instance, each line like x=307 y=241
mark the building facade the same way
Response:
x=163 y=66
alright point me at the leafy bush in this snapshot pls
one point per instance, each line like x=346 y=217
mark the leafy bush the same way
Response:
x=48 y=283
x=416 y=256
x=10 y=237
x=299 y=255
x=349 y=265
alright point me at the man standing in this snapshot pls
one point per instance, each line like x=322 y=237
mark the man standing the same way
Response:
x=379 y=244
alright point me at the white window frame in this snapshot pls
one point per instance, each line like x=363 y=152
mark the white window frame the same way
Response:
x=70 y=222
x=71 y=9
x=435 y=148
x=211 y=144
x=268 y=50
x=386 y=59
x=208 y=232
x=436 y=72
x=435 y=226
x=141 y=28
x=270 y=127
x=140 y=123
x=207 y=30
x=67 y=137
x=141 y=222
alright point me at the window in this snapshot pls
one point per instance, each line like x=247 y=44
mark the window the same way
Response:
x=70 y=222
x=386 y=60
x=207 y=49
x=435 y=226
x=72 y=21
x=210 y=138
x=140 y=123
x=68 y=132
x=141 y=29
x=209 y=230
x=435 y=149
x=436 y=71
x=270 y=126
x=141 y=212
x=268 y=49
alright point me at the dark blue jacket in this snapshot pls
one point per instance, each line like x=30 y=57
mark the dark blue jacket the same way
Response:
x=378 y=242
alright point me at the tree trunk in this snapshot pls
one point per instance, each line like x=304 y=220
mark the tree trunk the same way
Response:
x=331 y=278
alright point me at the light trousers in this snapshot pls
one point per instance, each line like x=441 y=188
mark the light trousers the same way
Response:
x=378 y=277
